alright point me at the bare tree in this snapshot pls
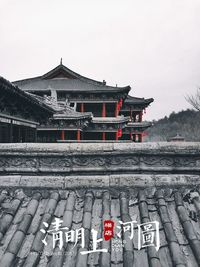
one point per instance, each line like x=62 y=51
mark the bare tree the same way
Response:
x=194 y=100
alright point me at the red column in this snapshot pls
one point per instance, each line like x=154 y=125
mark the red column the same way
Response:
x=104 y=110
x=116 y=110
x=130 y=136
x=82 y=107
x=103 y=136
x=78 y=135
x=62 y=135
x=140 y=138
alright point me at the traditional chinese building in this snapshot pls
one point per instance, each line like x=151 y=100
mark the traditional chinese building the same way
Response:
x=20 y=114
x=65 y=123
x=177 y=138
x=93 y=110
x=135 y=107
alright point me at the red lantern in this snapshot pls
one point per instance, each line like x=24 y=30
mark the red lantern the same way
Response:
x=119 y=133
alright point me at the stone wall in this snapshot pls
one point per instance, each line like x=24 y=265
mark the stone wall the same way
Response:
x=99 y=164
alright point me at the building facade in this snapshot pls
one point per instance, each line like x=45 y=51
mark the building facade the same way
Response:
x=86 y=109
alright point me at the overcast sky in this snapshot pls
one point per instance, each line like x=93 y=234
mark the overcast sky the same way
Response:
x=151 y=45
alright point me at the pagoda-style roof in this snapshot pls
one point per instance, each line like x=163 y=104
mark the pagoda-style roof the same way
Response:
x=6 y=86
x=20 y=108
x=64 y=116
x=137 y=100
x=63 y=79
x=137 y=126
x=178 y=137
x=107 y=124
x=136 y=103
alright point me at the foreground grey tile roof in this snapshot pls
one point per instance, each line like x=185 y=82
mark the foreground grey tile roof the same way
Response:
x=86 y=184
x=23 y=211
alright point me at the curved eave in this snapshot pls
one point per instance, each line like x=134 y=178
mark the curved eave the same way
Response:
x=111 y=120
x=49 y=128
x=138 y=125
x=71 y=116
x=138 y=101
x=14 y=89
x=104 y=89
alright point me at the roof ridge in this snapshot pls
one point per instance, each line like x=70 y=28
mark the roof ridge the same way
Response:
x=73 y=74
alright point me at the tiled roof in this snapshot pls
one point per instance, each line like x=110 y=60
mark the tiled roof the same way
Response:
x=64 y=84
x=144 y=124
x=6 y=85
x=138 y=100
x=69 y=113
x=177 y=137
x=118 y=119
x=61 y=111
x=23 y=211
x=75 y=82
x=137 y=127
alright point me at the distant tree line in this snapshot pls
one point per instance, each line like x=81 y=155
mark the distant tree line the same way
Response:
x=185 y=123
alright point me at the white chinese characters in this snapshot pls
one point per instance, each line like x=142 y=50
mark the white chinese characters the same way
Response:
x=148 y=235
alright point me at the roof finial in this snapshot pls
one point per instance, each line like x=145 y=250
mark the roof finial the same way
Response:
x=61 y=61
